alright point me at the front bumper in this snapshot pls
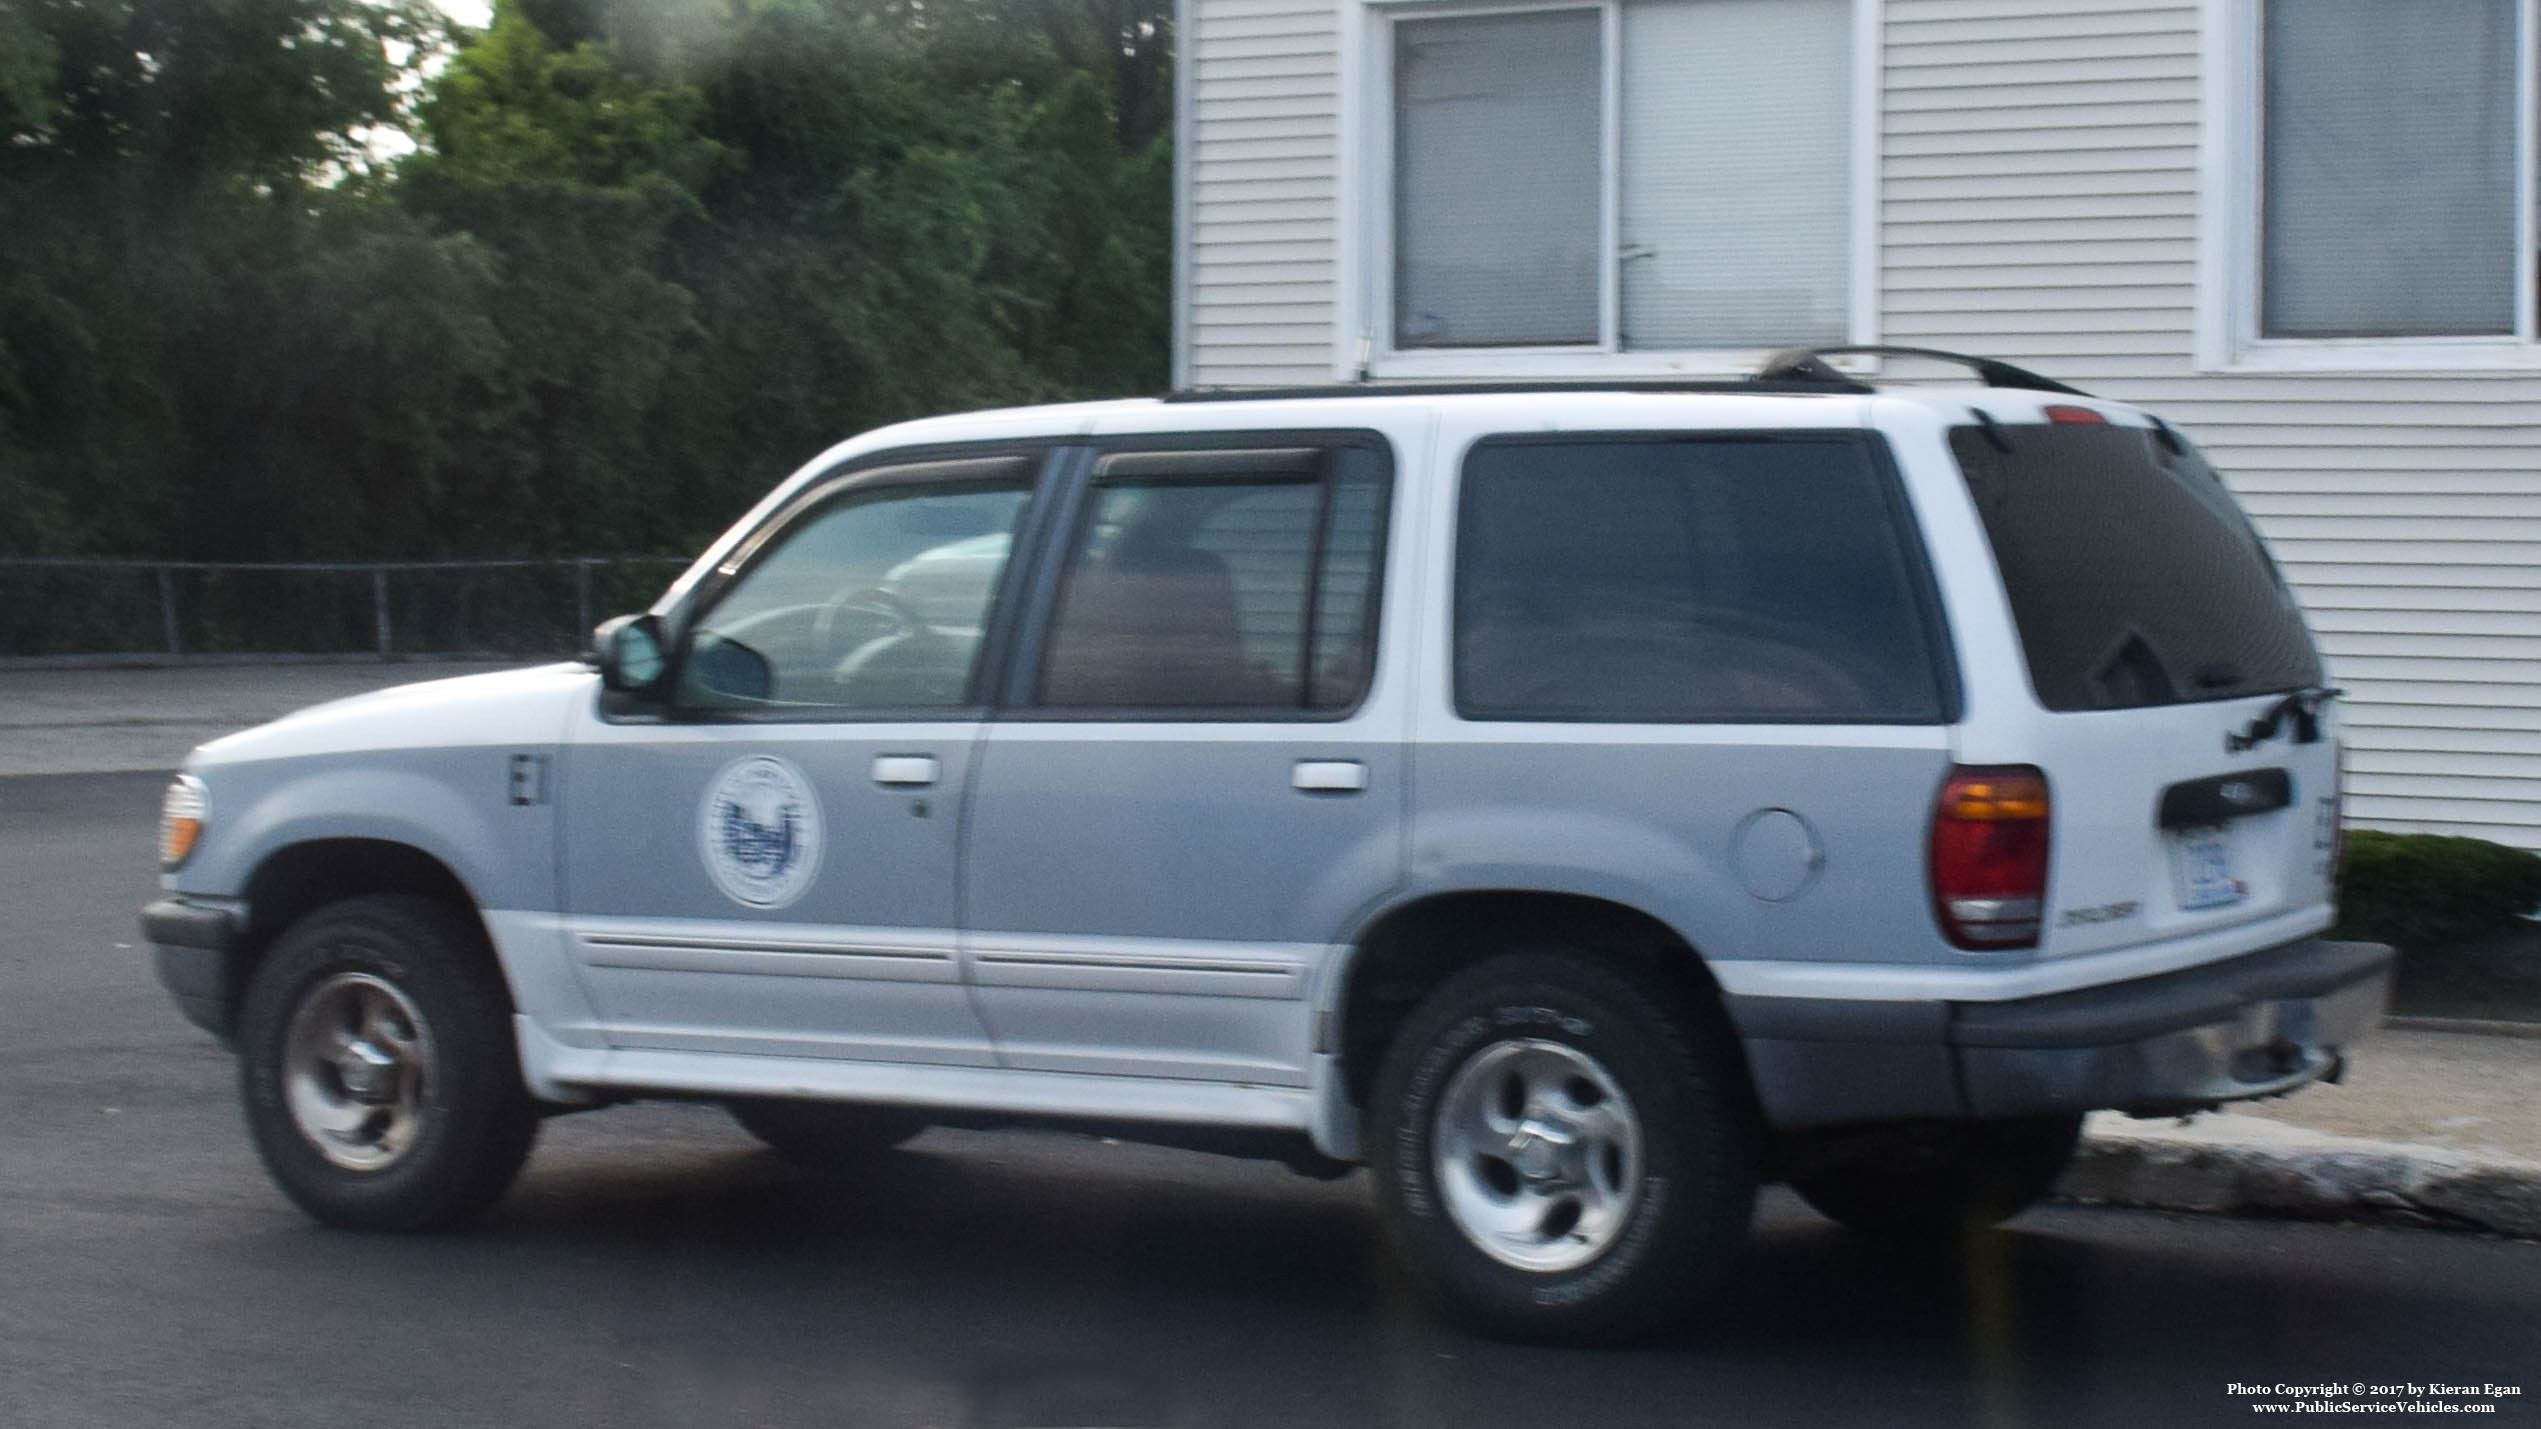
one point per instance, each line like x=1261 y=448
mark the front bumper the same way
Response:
x=191 y=940
x=2257 y=1025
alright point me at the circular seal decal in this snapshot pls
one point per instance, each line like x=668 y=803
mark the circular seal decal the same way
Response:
x=759 y=831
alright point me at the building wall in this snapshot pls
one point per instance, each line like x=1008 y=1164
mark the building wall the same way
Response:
x=2039 y=182
x=1264 y=127
x=2039 y=201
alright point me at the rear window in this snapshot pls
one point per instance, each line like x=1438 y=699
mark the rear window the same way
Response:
x=1749 y=578
x=2134 y=578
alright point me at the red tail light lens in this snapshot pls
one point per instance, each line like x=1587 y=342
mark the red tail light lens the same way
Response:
x=1989 y=857
x=2074 y=416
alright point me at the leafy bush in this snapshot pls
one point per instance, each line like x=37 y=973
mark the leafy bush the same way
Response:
x=2422 y=890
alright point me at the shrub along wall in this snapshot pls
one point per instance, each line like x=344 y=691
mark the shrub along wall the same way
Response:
x=2454 y=907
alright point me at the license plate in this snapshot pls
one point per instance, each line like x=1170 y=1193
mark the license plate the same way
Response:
x=2201 y=868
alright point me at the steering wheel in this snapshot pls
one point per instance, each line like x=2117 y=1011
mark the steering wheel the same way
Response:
x=866 y=672
x=874 y=601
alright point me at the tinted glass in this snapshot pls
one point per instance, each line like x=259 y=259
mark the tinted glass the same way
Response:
x=2134 y=578
x=1226 y=590
x=874 y=601
x=1746 y=579
x=1344 y=609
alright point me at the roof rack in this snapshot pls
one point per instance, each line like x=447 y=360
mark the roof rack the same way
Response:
x=1793 y=371
x=1808 y=385
x=1805 y=364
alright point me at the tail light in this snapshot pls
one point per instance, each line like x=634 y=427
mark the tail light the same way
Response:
x=1989 y=856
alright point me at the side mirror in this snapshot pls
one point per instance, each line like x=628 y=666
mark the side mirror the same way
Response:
x=628 y=651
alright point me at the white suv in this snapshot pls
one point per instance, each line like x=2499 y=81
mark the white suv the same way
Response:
x=1578 y=805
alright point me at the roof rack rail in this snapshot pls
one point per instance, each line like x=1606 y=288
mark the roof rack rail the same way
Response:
x=1805 y=364
x=1798 y=386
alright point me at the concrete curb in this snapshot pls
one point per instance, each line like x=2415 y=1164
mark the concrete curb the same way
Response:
x=2468 y=1026
x=2221 y=1162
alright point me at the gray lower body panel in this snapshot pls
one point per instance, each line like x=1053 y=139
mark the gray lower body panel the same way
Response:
x=190 y=945
x=2252 y=1026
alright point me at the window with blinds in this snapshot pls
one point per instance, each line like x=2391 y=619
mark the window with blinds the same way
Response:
x=1714 y=211
x=2391 y=149
x=1497 y=136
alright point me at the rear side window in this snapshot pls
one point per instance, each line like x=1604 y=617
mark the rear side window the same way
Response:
x=1759 y=578
x=2134 y=578
x=1221 y=582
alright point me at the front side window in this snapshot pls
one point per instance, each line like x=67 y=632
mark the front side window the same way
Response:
x=1746 y=578
x=1222 y=583
x=1713 y=211
x=876 y=599
x=2391 y=149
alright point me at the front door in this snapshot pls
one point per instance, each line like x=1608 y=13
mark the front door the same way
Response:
x=765 y=864
x=1192 y=788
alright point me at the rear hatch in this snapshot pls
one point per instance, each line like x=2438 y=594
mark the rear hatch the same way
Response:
x=2190 y=759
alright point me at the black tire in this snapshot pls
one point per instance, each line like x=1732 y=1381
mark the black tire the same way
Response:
x=1671 y=1223
x=824 y=1136
x=1956 y=1180
x=461 y=1118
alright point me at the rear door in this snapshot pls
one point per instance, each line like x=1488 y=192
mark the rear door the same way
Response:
x=1699 y=673
x=2191 y=763
x=1197 y=778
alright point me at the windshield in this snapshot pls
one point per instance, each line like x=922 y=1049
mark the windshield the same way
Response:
x=2133 y=577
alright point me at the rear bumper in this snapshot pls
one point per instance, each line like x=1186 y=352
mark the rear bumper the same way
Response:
x=2252 y=1026
x=190 y=945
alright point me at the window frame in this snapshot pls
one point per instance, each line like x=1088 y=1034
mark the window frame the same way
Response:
x=906 y=467
x=2231 y=193
x=1069 y=522
x=1364 y=309
x=1922 y=580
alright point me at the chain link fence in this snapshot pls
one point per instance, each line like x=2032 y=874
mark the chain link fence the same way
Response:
x=386 y=609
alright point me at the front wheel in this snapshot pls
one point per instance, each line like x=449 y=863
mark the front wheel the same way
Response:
x=1561 y=1152
x=1949 y=1181
x=376 y=1062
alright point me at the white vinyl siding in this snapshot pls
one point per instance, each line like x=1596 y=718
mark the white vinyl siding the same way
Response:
x=2040 y=201
x=1264 y=119
x=2041 y=185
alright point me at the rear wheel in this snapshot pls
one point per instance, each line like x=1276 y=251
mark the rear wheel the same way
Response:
x=824 y=1136
x=1959 y=1178
x=377 y=1066
x=1559 y=1154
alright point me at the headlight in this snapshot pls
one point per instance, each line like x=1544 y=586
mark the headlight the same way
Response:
x=181 y=813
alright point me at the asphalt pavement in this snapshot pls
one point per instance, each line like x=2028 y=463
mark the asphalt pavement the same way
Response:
x=655 y=1268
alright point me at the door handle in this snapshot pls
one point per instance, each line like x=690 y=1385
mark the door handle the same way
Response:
x=905 y=771
x=1330 y=776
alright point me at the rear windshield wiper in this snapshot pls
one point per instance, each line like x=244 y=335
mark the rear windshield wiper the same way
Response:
x=2303 y=707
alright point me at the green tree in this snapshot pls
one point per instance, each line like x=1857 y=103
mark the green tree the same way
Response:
x=145 y=145
x=572 y=173
x=646 y=255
